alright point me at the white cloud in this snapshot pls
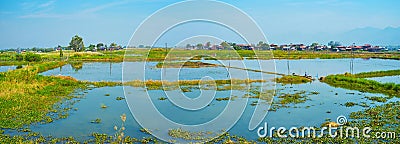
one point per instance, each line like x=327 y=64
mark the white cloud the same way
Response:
x=104 y=6
x=46 y=4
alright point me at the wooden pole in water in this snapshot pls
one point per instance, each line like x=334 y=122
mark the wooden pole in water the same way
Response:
x=352 y=59
x=166 y=52
x=288 y=67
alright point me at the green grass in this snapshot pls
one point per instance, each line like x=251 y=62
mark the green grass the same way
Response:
x=377 y=74
x=295 y=98
x=160 y=54
x=348 y=81
x=290 y=79
x=76 y=65
x=27 y=97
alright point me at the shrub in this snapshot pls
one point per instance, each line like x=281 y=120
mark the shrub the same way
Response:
x=19 y=57
x=31 y=57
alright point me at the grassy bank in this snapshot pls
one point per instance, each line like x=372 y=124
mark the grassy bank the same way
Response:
x=352 y=82
x=27 y=97
x=377 y=74
x=160 y=54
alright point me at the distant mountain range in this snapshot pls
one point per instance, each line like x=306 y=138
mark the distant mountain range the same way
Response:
x=369 y=35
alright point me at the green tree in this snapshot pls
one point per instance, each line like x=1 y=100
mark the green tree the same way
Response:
x=314 y=45
x=61 y=51
x=188 y=46
x=113 y=45
x=208 y=44
x=77 y=44
x=199 y=46
x=99 y=45
x=31 y=57
x=334 y=44
x=91 y=47
x=225 y=45
x=235 y=47
x=263 y=45
x=19 y=57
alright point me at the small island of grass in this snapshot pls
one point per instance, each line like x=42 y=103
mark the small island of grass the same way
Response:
x=292 y=79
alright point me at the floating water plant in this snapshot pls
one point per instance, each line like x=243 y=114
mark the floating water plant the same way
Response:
x=221 y=99
x=188 y=135
x=103 y=106
x=185 y=89
x=377 y=99
x=96 y=121
x=254 y=103
x=145 y=130
x=350 y=104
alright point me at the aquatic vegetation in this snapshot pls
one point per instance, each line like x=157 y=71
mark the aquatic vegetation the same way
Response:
x=185 y=89
x=349 y=104
x=292 y=79
x=287 y=98
x=383 y=118
x=76 y=65
x=103 y=106
x=145 y=130
x=377 y=99
x=97 y=120
x=266 y=95
x=221 y=99
x=119 y=98
x=187 y=135
x=27 y=97
x=162 y=98
x=254 y=103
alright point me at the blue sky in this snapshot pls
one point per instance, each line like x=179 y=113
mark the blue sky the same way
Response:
x=48 y=23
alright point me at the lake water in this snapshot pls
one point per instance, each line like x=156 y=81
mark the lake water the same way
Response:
x=328 y=104
x=387 y=79
x=7 y=68
x=103 y=71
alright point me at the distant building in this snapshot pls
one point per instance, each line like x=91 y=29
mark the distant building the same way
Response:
x=246 y=47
